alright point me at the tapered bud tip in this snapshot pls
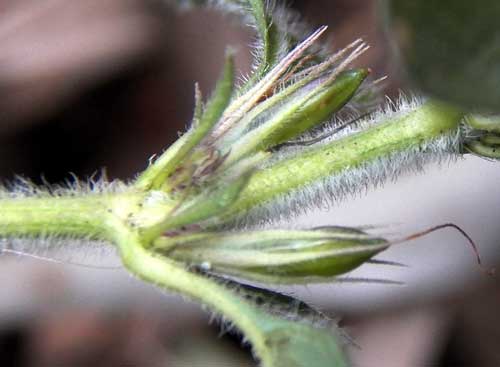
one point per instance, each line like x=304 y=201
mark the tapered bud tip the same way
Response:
x=359 y=74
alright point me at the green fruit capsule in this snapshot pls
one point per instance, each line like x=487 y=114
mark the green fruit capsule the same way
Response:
x=275 y=256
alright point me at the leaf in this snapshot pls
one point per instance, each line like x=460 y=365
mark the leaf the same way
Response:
x=312 y=338
x=298 y=345
x=449 y=48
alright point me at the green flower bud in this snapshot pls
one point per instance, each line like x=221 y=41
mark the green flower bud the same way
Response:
x=322 y=106
x=482 y=149
x=306 y=109
x=275 y=256
x=488 y=143
x=491 y=139
x=486 y=123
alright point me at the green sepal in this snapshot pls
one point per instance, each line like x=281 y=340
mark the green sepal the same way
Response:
x=219 y=99
x=275 y=256
x=155 y=176
x=252 y=97
x=198 y=106
x=207 y=205
x=269 y=36
x=284 y=93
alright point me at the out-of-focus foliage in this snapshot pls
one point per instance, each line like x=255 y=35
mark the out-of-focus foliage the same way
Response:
x=449 y=49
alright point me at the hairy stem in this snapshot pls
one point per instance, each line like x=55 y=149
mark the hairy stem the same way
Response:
x=277 y=342
x=80 y=216
x=413 y=129
x=173 y=276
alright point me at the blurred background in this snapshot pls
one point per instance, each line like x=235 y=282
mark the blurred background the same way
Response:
x=92 y=84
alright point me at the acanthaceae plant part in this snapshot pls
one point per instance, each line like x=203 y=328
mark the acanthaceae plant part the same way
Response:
x=299 y=131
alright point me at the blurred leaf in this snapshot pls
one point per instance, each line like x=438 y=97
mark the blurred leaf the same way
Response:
x=449 y=48
x=292 y=344
x=288 y=343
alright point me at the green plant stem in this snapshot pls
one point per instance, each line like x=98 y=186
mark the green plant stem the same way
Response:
x=277 y=342
x=422 y=125
x=173 y=276
x=118 y=217
x=106 y=216
x=80 y=216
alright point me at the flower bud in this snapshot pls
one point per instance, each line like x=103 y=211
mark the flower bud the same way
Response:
x=307 y=108
x=482 y=122
x=488 y=143
x=483 y=149
x=322 y=106
x=275 y=256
